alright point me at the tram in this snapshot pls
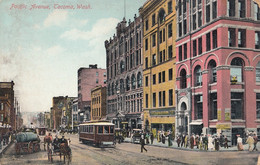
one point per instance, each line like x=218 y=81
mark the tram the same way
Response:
x=100 y=133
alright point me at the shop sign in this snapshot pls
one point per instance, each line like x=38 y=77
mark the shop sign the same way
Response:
x=162 y=112
x=223 y=126
x=219 y=114
x=227 y=114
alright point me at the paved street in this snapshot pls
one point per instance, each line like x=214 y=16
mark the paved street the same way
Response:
x=127 y=153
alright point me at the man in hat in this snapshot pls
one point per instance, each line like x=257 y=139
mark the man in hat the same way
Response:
x=56 y=142
x=250 y=142
x=255 y=141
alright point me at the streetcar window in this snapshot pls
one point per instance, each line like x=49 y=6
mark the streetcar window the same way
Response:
x=87 y=129
x=106 y=129
x=91 y=129
x=111 y=129
x=84 y=128
x=100 y=129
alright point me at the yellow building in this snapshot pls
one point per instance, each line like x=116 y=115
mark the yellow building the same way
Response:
x=159 y=23
x=98 y=103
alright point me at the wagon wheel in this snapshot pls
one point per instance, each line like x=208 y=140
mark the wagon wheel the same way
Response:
x=36 y=147
x=30 y=147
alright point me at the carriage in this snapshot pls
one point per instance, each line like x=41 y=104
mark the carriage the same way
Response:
x=41 y=131
x=60 y=148
x=27 y=142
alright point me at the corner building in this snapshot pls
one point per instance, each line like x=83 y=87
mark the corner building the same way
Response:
x=159 y=65
x=218 y=62
x=124 y=75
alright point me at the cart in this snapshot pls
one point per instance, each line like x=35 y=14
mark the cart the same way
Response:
x=62 y=149
x=27 y=147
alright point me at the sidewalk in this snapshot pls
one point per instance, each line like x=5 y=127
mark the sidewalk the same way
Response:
x=2 y=150
x=175 y=146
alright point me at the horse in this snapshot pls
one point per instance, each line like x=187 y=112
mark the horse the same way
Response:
x=65 y=151
x=47 y=139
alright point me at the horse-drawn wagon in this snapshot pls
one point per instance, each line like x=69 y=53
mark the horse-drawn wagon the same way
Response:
x=27 y=142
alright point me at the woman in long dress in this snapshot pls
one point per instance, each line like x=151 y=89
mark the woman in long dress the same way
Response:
x=210 y=143
x=239 y=143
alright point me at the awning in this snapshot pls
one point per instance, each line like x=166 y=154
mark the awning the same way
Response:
x=196 y=123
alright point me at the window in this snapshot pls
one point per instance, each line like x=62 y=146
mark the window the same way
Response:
x=179 y=6
x=232 y=37
x=127 y=84
x=161 y=16
x=213 y=106
x=180 y=53
x=122 y=66
x=183 y=80
x=160 y=77
x=200 y=45
x=160 y=37
x=100 y=129
x=170 y=97
x=169 y=7
x=194 y=3
x=164 y=55
x=198 y=76
x=194 y=21
x=163 y=76
x=184 y=26
x=160 y=57
x=146 y=62
x=160 y=99
x=153 y=40
x=185 y=52
x=136 y=58
x=96 y=81
x=2 y=117
x=139 y=80
x=212 y=71
x=256 y=11
x=241 y=38
x=146 y=25
x=146 y=81
x=131 y=60
x=105 y=74
x=146 y=100
x=194 y=48
x=237 y=105
x=215 y=39
x=184 y=6
x=154 y=79
x=241 y=8
x=257 y=40
x=199 y=19
x=258 y=105
x=170 y=52
x=180 y=29
x=214 y=10
x=231 y=6
x=133 y=80
x=257 y=72
x=153 y=20
x=96 y=73
x=122 y=88
x=154 y=99
x=208 y=41
x=169 y=30
x=236 y=70
x=163 y=102
x=154 y=59
x=207 y=13
x=163 y=35
x=170 y=74
x=199 y=106
x=146 y=44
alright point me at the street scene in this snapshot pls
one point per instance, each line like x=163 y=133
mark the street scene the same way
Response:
x=130 y=82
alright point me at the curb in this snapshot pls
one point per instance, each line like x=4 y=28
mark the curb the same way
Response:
x=6 y=147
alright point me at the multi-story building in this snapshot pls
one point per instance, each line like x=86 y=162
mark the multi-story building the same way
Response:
x=7 y=111
x=98 y=103
x=88 y=78
x=124 y=75
x=159 y=22
x=75 y=114
x=47 y=118
x=218 y=80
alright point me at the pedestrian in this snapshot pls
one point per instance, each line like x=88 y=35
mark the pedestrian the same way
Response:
x=178 y=140
x=151 y=137
x=210 y=143
x=169 y=138
x=142 y=143
x=255 y=141
x=163 y=137
x=221 y=140
x=159 y=136
x=147 y=138
x=186 y=141
x=225 y=142
x=197 y=141
x=201 y=146
x=183 y=139
x=205 y=142
x=239 y=143
x=192 y=140
x=216 y=142
x=250 y=141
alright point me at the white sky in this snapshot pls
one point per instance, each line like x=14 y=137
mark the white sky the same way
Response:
x=42 y=49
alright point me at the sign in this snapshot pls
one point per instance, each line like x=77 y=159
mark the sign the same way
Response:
x=162 y=112
x=227 y=114
x=219 y=114
x=223 y=126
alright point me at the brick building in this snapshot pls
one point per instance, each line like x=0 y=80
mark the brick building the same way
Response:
x=218 y=60
x=98 y=103
x=124 y=75
x=88 y=78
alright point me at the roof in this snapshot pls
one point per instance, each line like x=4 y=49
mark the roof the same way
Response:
x=100 y=123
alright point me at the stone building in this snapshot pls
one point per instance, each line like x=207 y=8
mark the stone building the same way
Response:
x=218 y=61
x=98 y=103
x=124 y=75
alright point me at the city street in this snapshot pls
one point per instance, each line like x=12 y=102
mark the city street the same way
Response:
x=127 y=153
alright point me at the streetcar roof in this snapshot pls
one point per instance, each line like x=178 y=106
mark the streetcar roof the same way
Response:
x=100 y=123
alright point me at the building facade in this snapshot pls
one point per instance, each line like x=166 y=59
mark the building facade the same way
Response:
x=88 y=78
x=47 y=118
x=159 y=22
x=124 y=73
x=98 y=103
x=218 y=59
x=75 y=114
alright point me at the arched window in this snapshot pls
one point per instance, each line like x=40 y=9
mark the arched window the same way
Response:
x=133 y=80
x=257 y=72
x=183 y=82
x=116 y=87
x=122 y=66
x=161 y=16
x=198 y=76
x=236 y=70
x=139 y=80
x=127 y=84
x=183 y=106
x=122 y=88
x=212 y=71
x=112 y=89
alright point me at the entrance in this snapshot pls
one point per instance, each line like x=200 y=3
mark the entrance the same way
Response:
x=196 y=129
x=235 y=132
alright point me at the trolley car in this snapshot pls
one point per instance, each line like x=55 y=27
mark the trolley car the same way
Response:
x=100 y=133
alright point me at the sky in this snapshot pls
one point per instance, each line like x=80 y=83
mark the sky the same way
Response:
x=41 y=48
